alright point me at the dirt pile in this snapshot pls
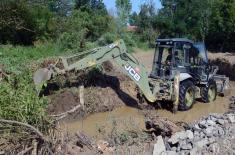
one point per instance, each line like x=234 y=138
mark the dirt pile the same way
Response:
x=103 y=92
x=225 y=67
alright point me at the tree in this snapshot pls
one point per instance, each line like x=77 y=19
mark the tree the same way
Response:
x=145 y=21
x=91 y=6
x=62 y=7
x=222 y=26
x=134 y=19
x=123 y=11
x=22 y=23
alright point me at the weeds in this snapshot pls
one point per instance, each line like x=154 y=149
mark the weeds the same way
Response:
x=15 y=58
x=20 y=102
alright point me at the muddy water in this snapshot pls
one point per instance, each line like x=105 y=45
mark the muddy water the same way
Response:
x=126 y=117
x=121 y=118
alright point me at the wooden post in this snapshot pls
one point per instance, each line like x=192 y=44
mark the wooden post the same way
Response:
x=35 y=147
x=81 y=96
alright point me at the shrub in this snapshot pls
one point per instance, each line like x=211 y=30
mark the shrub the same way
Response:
x=20 y=102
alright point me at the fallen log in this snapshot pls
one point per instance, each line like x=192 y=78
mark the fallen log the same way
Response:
x=162 y=126
x=84 y=140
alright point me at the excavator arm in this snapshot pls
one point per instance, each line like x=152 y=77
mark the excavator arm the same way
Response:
x=116 y=52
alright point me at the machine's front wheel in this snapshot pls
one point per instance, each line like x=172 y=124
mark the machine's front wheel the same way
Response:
x=209 y=92
x=186 y=95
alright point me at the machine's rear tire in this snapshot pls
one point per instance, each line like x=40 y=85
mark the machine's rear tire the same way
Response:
x=209 y=92
x=186 y=95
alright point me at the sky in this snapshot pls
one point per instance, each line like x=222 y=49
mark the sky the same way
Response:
x=110 y=4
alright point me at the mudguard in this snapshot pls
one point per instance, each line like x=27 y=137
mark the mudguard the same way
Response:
x=184 y=76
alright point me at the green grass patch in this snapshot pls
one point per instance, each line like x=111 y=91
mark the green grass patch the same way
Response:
x=19 y=101
x=16 y=58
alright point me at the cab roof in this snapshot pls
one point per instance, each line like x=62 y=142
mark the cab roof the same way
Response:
x=175 y=40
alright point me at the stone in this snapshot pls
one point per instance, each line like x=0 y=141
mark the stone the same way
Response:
x=212 y=118
x=217 y=116
x=159 y=146
x=182 y=142
x=103 y=146
x=201 y=143
x=196 y=136
x=196 y=127
x=202 y=134
x=202 y=124
x=186 y=147
x=169 y=153
x=220 y=121
x=214 y=148
x=231 y=118
x=177 y=136
x=211 y=140
x=2 y=152
x=183 y=152
x=218 y=132
x=189 y=134
x=173 y=149
x=194 y=151
x=209 y=131
x=210 y=122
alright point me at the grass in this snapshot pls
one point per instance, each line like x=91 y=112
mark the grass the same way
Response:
x=15 y=58
x=19 y=100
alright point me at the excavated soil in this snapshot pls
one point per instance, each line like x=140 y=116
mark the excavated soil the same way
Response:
x=103 y=92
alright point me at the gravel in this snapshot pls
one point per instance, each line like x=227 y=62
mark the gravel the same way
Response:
x=214 y=134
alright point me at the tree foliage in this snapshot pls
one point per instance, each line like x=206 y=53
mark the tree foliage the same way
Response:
x=22 y=23
x=211 y=21
x=123 y=11
x=72 y=23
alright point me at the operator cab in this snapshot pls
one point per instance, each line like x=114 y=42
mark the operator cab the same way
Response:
x=172 y=55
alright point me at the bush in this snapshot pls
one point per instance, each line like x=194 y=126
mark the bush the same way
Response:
x=22 y=22
x=107 y=38
x=129 y=40
x=20 y=102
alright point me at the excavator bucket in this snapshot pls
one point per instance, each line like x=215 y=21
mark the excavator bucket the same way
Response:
x=41 y=76
x=223 y=85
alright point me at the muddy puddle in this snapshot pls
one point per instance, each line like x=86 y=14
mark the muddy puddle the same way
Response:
x=96 y=124
x=126 y=117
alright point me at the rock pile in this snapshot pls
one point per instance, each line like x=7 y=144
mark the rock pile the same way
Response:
x=214 y=134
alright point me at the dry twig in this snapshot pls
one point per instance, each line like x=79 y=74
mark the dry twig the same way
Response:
x=26 y=125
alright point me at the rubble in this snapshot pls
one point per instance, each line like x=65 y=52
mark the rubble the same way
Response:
x=159 y=147
x=213 y=134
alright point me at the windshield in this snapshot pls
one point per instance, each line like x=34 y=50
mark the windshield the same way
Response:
x=163 y=56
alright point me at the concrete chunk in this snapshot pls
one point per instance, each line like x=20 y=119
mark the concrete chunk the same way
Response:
x=159 y=147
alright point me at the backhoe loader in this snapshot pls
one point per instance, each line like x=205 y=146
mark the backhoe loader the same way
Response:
x=180 y=71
